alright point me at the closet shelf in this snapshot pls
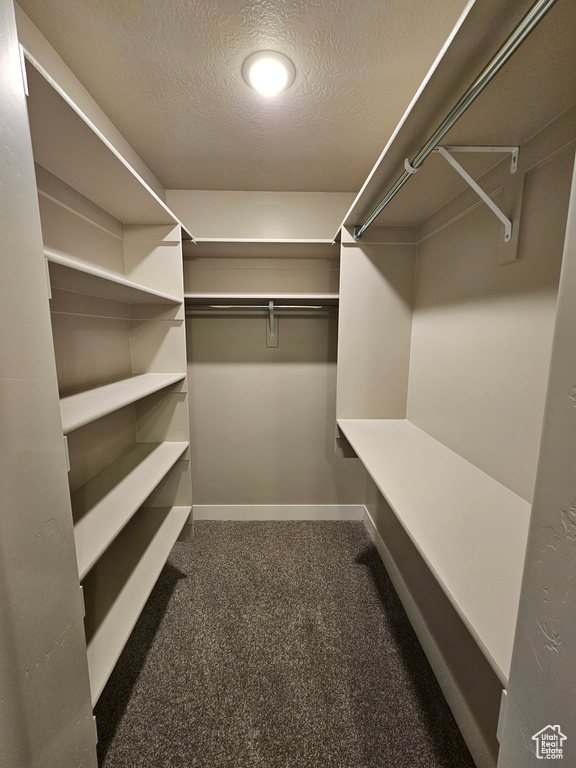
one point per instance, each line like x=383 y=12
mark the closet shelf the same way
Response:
x=539 y=73
x=72 y=275
x=118 y=586
x=105 y=503
x=261 y=248
x=85 y=159
x=239 y=298
x=80 y=408
x=470 y=529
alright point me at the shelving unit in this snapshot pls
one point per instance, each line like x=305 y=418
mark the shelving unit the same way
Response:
x=81 y=408
x=113 y=252
x=470 y=529
x=119 y=585
x=445 y=341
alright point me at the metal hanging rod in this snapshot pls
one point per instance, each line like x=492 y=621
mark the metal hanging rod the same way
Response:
x=509 y=47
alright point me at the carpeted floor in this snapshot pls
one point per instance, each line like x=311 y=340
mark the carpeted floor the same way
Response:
x=275 y=645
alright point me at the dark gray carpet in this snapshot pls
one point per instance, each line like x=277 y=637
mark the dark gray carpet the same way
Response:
x=275 y=645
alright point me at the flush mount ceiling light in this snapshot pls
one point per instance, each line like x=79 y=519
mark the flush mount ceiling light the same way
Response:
x=268 y=72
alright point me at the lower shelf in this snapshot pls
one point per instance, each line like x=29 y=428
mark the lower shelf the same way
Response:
x=470 y=529
x=103 y=505
x=117 y=587
x=82 y=407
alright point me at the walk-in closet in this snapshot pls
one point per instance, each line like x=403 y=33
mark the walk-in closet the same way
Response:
x=288 y=392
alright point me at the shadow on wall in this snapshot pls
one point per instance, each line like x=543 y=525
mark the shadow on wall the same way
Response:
x=239 y=336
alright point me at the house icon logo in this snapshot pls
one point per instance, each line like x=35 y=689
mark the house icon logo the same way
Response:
x=549 y=743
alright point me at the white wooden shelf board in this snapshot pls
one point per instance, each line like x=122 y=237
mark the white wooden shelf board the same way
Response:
x=288 y=240
x=470 y=529
x=224 y=297
x=72 y=275
x=80 y=408
x=118 y=586
x=254 y=248
x=86 y=160
x=105 y=503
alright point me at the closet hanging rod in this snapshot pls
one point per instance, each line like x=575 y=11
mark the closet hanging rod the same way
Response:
x=508 y=48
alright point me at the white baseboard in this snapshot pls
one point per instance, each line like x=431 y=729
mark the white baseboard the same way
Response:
x=278 y=512
x=465 y=720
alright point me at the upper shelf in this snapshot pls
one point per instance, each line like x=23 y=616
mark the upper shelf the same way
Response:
x=68 y=145
x=259 y=248
x=247 y=298
x=535 y=87
x=80 y=408
x=470 y=529
x=72 y=275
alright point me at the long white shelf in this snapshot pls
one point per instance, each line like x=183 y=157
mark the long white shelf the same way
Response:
x=105 y=503
x=80 y=408
x=72 y=275
x=117 y=588
x=71 y=147
x=207 y=298
x=470 y=529
x=261 y=247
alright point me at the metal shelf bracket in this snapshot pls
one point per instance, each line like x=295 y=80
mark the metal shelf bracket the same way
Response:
x=446 y=152
x=272 y=323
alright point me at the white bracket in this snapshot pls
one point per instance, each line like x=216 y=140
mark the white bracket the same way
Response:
x=272 y=323
x=446 y=153
x=512 y=151
x=272 y=334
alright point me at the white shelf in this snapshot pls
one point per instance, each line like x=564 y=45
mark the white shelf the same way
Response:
x=72 y=275
x=470 y=529
x=68 y=145
x=540 y=73
x=80 y=408
x=261 y=248
x=118 y=586
x=105 y=503
x=208 y=298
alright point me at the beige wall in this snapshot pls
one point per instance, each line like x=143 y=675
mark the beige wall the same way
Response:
x=260 y=215
x=482 y=333
x=376 y=295
x=263 y=419
x=258 y=275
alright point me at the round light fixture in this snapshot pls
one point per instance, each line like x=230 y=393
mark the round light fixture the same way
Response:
x=268 y=72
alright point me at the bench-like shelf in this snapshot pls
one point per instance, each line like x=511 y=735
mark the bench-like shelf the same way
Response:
x=470 y=529
x=80 y=408
x=72 y=275
x=105 y=503
x=117 y=588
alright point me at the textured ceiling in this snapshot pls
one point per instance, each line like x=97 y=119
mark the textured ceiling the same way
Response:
x=167 y=73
